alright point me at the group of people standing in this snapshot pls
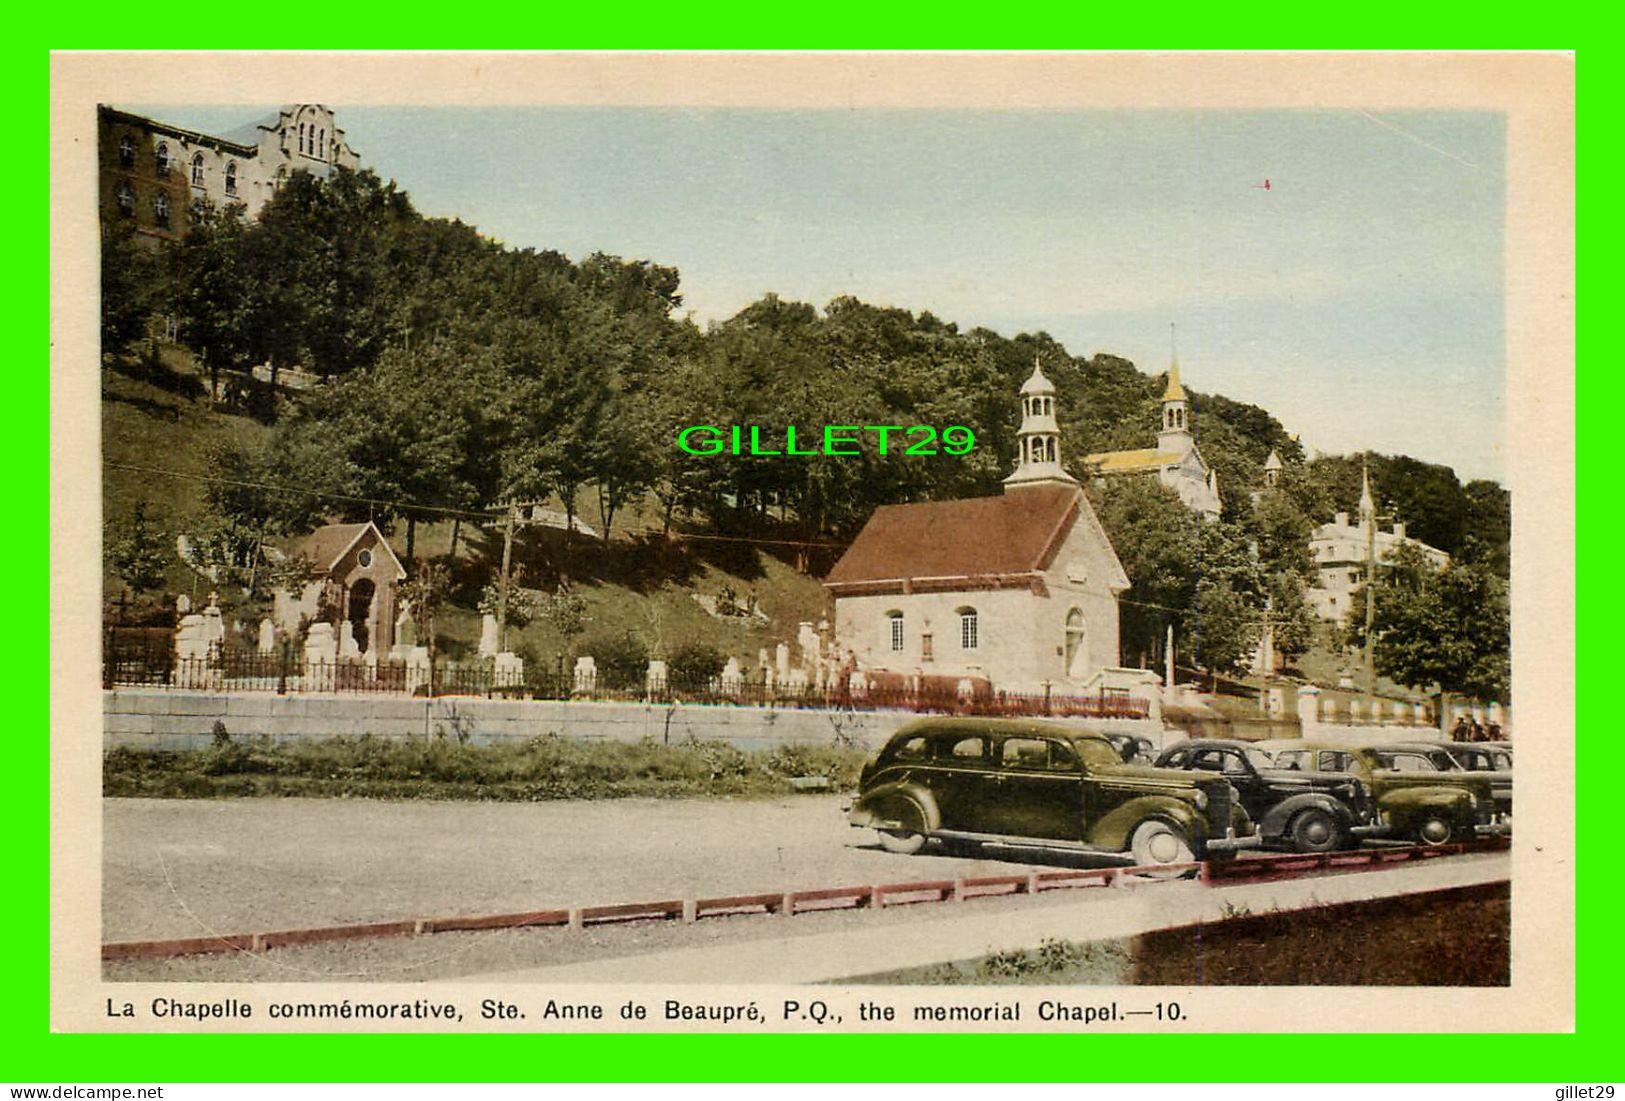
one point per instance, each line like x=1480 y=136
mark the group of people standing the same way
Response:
x=1469 y=729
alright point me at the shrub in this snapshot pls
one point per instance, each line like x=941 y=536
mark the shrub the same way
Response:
x=621 y=660
x=691 y=668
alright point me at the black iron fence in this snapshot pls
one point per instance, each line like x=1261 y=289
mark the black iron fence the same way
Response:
x=154 y=664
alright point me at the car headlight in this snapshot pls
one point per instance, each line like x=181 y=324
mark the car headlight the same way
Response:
x=1201 y=799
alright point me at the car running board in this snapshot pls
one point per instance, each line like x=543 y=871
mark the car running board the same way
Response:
x=1008 y=842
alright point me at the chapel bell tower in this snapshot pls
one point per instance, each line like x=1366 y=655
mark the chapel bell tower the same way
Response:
x=1038 y=440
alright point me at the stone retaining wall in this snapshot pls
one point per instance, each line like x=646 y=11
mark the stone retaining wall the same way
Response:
x=161 y=718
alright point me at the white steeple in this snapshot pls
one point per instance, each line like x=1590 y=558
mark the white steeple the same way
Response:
x=1038 y=440
x=1368 y=508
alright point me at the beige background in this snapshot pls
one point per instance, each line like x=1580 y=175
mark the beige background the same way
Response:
x=1534 y=91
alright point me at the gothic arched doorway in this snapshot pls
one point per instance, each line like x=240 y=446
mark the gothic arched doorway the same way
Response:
x=360 y=611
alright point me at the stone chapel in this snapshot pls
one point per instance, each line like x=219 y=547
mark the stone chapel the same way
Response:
x=1019 y=589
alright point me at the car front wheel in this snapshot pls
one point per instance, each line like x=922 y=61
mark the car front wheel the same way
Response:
x=1158 y=842
x=1436 y=829
x=1316 y=831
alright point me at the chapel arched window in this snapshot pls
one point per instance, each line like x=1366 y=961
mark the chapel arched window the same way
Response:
x=967 y=628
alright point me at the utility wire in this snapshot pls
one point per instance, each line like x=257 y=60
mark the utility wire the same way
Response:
x=388 y=504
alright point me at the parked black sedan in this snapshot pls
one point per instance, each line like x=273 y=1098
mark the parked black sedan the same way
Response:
x=1296 y=809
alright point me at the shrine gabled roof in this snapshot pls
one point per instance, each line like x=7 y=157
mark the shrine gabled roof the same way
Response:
x=1016 y=533
x=327 y=545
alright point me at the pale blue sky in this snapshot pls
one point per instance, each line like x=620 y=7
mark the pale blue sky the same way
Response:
x=1359 y=299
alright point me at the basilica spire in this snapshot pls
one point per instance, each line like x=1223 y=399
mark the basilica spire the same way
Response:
x=1175 y=434
x=1038 y=440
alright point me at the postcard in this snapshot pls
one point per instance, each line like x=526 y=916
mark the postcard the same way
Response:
x=832 y=543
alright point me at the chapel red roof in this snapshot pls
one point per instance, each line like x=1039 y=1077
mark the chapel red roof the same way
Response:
x=1016 y=533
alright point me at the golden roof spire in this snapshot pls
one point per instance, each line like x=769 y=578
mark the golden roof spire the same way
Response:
x=1174 y=392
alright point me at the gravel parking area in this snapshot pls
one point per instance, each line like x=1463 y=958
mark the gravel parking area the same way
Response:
x=181 y=868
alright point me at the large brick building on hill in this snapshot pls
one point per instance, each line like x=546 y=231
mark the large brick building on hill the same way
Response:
x=153 y=175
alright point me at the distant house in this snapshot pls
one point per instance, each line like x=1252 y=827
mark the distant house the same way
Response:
x=1340 y=552
x=1020 y=589
x=1175 y=461
x=359 y=574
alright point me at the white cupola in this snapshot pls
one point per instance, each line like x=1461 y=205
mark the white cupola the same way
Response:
x=1038 y=440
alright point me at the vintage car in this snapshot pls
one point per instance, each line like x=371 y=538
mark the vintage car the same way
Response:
x=1292 y=808
x=1410 y=798
x=1491 y=758
x=1481 y=756
x=966 y=782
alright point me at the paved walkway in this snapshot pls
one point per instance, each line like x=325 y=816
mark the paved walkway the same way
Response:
x=1130 y=911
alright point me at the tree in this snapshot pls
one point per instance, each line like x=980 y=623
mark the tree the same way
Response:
x=1291 y=616
x=1449 y=628
x=1223 y=633
x=425 y=589
x=133 y=285
x=565 y=612
x=138 y=551
x=214 y=293
x=1487 y=534
x=1156 y=539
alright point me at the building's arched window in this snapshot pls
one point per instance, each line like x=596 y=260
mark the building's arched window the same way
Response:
x=1077 y=650
x=301 y=137
x=281 y=176
x=160 y=159
x=160 y=209
x=126 y=151
x=967 y=628
x=126 y=198
x=231 y=178
x=321 y=143
x=894 y=622
x=197 y=170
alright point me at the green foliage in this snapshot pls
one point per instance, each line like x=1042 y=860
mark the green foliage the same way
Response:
x=690 y=668
x=1157 y=539
x=621 y=660
x=1225 y=628
x=1293 y=619
x=1449 y=628
x=138 y=550
x=446 y=768
x=521 y=605
x=565 y=612
x=133 y=285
